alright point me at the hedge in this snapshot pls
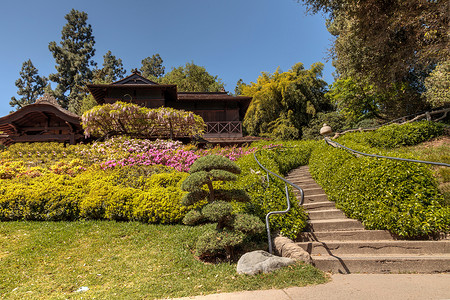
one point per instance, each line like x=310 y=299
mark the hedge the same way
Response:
x=266 y=198
x=96 y=194
x=397 y=196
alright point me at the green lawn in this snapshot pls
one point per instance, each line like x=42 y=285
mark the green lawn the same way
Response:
x=52 y=260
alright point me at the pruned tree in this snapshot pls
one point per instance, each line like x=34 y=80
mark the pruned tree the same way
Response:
x=73 y=58
x=231 y=229
x=30 y=86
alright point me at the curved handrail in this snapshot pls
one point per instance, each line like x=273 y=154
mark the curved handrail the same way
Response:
x=329 y=142
x=286 y=182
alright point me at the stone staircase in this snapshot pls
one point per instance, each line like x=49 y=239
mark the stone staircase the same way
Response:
x=342 y=245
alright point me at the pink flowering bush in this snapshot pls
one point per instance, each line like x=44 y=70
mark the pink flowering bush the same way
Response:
x=121 y=152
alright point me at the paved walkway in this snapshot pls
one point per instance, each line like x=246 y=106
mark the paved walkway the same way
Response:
x=355 y=286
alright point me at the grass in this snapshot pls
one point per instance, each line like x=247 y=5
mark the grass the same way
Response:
x=52 y=260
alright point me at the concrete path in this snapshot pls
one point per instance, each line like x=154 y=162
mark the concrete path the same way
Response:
x=355 y=286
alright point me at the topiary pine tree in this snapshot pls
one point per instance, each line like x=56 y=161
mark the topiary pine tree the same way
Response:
x=231 y=229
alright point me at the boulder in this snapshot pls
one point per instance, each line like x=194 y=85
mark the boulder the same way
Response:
x=261 y=262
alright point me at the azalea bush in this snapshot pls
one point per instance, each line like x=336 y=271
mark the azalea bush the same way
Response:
x=122 y=118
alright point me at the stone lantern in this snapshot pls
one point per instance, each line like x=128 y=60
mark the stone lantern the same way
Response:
x=326 y=130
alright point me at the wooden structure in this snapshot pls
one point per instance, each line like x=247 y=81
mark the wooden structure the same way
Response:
x=43 y=121
x=222 y=113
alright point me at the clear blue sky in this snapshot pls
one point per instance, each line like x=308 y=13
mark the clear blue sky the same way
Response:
x=230 y=38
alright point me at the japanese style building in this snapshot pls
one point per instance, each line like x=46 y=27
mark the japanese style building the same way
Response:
x=222 y=113
x=45 y=120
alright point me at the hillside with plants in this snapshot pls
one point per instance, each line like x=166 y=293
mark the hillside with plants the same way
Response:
x=140 y=183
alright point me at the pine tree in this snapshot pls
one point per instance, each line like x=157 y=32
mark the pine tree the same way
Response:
x=73 y=60
x=152 y=67
x=30 y=86
x=112 y=69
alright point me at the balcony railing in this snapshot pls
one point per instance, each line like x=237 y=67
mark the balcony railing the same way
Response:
x=224 y=128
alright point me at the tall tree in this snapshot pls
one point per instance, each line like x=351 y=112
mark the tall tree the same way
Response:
x=152 y=67
x=283 y=102
x=193 y=78
x=73 y=59
x=30 y=86
x=392 y=45
x=112 y=69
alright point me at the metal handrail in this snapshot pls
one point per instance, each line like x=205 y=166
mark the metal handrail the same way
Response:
x=286 y=182
x=330 y=142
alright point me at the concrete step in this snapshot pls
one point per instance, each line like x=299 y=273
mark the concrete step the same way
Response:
x=383 y=263
x=318 y=205
x=314 y=198
x=326 y=214
x=313 y=190
x=307 y=186
x=335 y=225
x=345 y=235
x=376 y=247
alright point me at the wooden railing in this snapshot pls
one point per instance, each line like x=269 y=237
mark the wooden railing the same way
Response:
x=224 y=128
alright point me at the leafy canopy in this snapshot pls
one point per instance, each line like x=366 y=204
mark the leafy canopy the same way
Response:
x=152 y=67
x=392 y=45
x=193 y=78
x=283 y=102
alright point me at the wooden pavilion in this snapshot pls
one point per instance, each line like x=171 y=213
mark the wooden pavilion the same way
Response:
x=43 y=121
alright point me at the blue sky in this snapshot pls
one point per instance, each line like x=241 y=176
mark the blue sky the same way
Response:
x=231 y=38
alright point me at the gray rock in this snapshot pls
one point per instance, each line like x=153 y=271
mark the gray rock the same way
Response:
x=287 y=248
x=261 y=262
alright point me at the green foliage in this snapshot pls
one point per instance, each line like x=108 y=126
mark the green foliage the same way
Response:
x=394 y=135
x=73 y=60
x=333 y=119
x=384 y=194
x=112 y=70
x=264 y=198
x=355 y=100
x=152 y=67
x=193 y=78
x=214 y=162
x=393 y=45
x=248 y=224
x=193 y=217
x=438 y=85
x=283 y=102
x=207 y=171
x=115 y=194
x=213 y=242
x=30 y=86
x=217 y=211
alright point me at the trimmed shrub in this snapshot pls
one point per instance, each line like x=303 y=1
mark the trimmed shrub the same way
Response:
x=394 y=135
